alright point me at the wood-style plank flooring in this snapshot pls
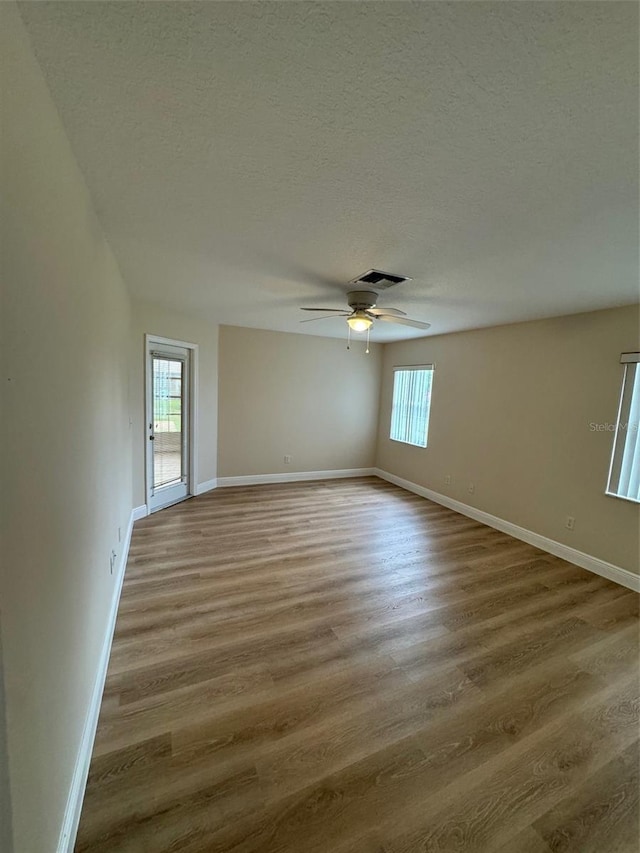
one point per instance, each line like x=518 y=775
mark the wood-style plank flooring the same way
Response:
x=344 y=667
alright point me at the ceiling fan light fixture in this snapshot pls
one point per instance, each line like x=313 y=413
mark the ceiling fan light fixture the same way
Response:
x=359 y=322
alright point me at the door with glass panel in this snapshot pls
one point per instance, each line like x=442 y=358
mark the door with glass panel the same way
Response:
x=168 y=452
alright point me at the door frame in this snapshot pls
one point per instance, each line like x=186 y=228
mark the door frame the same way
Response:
x=150 y=343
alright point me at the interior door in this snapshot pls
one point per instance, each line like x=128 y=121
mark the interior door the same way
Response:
x=168 y=455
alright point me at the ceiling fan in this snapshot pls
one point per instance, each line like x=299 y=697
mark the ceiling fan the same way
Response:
x=364 y=312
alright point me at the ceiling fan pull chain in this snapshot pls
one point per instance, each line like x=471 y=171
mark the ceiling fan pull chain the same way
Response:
x=367 y=349
x=348 y=337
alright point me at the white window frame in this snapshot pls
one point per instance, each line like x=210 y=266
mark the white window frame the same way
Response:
x=627 y=425
x=411 y=367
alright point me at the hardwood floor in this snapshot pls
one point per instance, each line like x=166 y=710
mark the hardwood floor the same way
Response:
x=344 y=667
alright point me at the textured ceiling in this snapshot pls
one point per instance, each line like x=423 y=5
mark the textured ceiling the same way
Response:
x=246 y=158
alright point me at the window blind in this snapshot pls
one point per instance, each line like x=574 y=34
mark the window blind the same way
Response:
x=624 y=475
x=411 y=404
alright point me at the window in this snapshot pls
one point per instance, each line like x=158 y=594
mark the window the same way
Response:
x=411 y=403
x=624 y=474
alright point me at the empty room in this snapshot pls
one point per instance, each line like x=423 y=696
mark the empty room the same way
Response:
x=321 y=427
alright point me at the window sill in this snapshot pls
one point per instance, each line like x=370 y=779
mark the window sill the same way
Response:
x=622 y=498
x=408 y=443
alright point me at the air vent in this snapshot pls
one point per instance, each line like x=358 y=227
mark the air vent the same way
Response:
x=379 y=279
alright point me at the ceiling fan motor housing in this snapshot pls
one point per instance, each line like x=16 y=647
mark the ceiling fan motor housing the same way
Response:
x=362 y=300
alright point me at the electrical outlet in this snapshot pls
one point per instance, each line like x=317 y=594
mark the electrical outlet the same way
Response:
x=570 y=522
x=471 y=488
x=287 y=460
x=447 y=480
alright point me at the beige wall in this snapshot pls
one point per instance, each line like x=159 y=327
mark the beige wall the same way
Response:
x=153 y=319
x=304 y=396
x=511 y=412
x=66 y=479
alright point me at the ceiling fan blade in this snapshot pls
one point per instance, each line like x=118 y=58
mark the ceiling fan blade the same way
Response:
x=405 y=321
x=395 y=312
x=326 y=317
x=333 y=310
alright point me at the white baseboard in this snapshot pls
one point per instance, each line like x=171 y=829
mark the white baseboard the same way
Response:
x=67 y=839
x=207 y=486
x=139 y=512
x=294 y=477
x=565 y=552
